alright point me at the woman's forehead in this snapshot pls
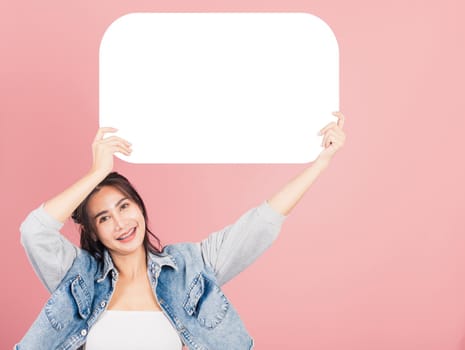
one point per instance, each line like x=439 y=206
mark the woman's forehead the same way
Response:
x=107 y=197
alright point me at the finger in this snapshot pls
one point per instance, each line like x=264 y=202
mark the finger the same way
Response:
x=122 y=145
x=329 y=142
x=327 y=127
x=341 y=119
x=328 y=134
x=121 y=149
x=113 y=145
x=112 y=139
x=115 y=141
x=323 y=142
x=102 y=131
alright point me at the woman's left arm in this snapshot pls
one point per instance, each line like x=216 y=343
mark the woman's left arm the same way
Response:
x=333 y=139
x=232 y=249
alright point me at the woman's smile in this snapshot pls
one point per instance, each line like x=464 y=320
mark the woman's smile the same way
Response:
x=128 y=236
x=119 y=222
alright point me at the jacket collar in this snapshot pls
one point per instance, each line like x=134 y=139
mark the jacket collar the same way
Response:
x=153 y=260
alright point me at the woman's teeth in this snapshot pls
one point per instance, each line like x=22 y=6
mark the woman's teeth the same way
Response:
x=126 y=235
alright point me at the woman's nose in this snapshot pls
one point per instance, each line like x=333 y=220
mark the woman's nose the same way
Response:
x=119 y=224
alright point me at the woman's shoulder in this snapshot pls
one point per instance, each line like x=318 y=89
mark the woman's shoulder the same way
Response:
x=85 y=264
x=186 y=258
x=184 y=252
x=182 y=248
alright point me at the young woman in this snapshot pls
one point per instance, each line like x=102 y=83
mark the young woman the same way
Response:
x=119 y=290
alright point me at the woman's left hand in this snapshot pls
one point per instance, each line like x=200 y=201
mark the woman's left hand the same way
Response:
x=333 y=138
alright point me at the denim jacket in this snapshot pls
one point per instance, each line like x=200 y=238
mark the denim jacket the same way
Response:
x=186 y=279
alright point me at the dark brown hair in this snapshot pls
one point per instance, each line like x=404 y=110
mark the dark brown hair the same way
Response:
x=89 y=240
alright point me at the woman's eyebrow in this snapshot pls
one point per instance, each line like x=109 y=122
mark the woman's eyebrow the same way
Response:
x=106 y=211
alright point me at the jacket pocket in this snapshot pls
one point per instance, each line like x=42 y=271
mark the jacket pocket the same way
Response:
x=69 y=303
x=206 y=302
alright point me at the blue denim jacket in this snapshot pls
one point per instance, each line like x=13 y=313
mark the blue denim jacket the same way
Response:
x=185 y=279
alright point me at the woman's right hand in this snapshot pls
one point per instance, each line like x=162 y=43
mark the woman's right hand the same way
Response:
x=62 y=205
x=104 y=148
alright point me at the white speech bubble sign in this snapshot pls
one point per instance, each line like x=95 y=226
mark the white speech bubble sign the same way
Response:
x=219 y=87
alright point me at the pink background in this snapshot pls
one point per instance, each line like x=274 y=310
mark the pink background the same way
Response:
x=372 y=257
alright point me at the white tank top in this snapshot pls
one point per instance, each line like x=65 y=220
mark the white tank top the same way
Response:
x=135 y=330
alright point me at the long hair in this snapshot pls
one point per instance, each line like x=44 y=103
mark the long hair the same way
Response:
x=80 y=215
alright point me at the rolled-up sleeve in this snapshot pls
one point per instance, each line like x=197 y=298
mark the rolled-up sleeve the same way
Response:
x=232 y=249
x=50 y=253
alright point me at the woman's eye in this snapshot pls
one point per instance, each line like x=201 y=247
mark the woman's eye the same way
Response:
x=103 y=218
x=125 y=205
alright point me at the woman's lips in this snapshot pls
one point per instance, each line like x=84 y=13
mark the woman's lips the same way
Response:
x=126 y=237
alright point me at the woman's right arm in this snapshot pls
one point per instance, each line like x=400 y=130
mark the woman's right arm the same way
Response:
x=49 y=252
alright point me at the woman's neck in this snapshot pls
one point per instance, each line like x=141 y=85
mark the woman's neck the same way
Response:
x=132 y=265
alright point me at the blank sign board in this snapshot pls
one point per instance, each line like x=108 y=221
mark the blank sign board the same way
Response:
x=219 y=87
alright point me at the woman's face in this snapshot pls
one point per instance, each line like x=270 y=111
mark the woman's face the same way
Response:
x=118 y=220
